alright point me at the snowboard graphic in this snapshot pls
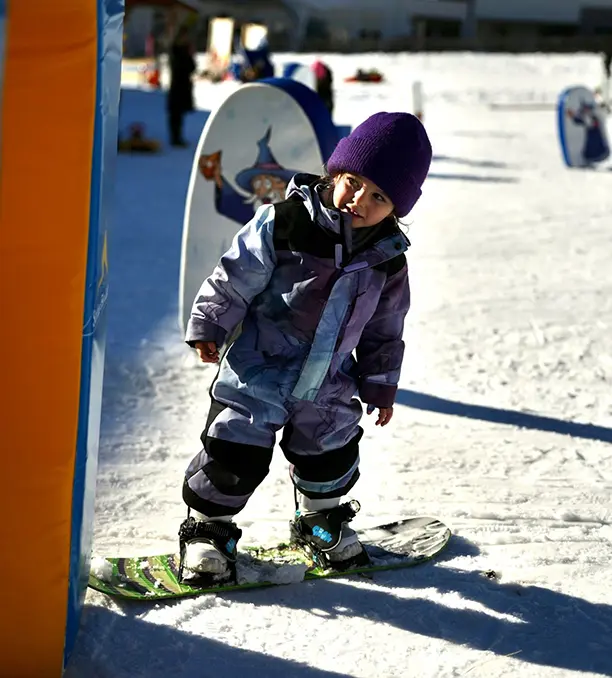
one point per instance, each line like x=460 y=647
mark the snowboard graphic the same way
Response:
x=400 y=544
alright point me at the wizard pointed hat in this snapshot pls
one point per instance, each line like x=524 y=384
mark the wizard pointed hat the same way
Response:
x=265 y=164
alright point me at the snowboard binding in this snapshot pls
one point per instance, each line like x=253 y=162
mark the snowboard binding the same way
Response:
x=319 y=533
x=222 y=536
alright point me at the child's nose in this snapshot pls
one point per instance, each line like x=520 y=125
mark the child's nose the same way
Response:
x=359 y=196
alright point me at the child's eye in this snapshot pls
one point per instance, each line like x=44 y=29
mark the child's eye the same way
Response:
x=353 y=183
x=379 y=197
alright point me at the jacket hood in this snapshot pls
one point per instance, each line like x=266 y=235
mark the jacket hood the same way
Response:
x=308 y=187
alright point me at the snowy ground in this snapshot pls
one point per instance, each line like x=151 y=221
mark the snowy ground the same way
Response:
x=503 y=427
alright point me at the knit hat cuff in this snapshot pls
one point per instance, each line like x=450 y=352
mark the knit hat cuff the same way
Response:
x=358 y=155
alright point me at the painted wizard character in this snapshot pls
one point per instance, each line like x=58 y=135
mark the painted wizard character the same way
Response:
x=595 y=147
x=265 y=182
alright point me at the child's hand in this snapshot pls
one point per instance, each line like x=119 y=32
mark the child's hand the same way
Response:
x=384 y=414
x=207 y=350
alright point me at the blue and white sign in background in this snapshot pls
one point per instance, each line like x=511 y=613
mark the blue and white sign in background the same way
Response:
x=250 y=147
x=582 y=128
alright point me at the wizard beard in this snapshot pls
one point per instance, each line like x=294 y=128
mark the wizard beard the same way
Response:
x=270 y=197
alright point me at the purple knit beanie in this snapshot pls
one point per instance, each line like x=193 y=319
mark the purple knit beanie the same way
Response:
x=390 y=149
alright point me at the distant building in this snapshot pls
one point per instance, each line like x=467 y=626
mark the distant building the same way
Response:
x=300 y=24
x=545 y=17
x=278 y=15
x=386 y=19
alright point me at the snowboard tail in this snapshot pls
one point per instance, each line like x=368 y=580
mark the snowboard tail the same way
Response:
x=396 y=545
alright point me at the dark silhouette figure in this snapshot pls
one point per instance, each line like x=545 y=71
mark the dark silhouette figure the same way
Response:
x=325 y=83
x=180 y=94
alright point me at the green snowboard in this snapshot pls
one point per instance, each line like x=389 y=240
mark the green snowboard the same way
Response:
x=393 y=546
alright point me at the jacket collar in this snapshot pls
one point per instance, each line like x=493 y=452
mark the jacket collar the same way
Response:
x=386 y=240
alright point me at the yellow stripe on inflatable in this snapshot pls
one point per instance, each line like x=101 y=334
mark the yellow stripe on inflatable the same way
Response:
x=47 y=128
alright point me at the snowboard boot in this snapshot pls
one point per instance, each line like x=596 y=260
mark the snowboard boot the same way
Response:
x=208 y=549
x=326 y=536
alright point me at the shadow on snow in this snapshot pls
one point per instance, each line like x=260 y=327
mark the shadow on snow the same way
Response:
x=531 y=623
x=423 y=401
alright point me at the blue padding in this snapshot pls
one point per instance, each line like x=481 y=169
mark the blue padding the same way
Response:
x=2 y=53
x=109 y=45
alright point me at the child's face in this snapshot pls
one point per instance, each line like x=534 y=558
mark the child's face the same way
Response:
x=367 y=204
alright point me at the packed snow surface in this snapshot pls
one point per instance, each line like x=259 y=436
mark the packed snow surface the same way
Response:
x=503 y=423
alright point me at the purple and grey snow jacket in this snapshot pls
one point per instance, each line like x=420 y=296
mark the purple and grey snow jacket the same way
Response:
x=310 y=292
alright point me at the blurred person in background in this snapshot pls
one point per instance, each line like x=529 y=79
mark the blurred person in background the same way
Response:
x=180 y=94
x=325 y=82
x=257 y=64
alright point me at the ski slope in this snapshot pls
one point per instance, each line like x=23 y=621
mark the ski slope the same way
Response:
x=503 y=426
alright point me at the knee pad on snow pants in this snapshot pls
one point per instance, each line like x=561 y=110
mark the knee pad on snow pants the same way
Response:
x=223 y=476
x=320 y=475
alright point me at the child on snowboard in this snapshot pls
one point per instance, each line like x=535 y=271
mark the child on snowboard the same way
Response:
x=311 y=280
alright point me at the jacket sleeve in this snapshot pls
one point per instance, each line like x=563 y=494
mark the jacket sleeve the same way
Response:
x=381 y=350
x=241 y=274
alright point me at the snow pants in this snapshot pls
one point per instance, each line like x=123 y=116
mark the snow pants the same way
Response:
x=320 y=440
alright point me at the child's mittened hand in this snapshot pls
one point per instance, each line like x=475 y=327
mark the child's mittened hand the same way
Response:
x=207 y=350
x=384 y=414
